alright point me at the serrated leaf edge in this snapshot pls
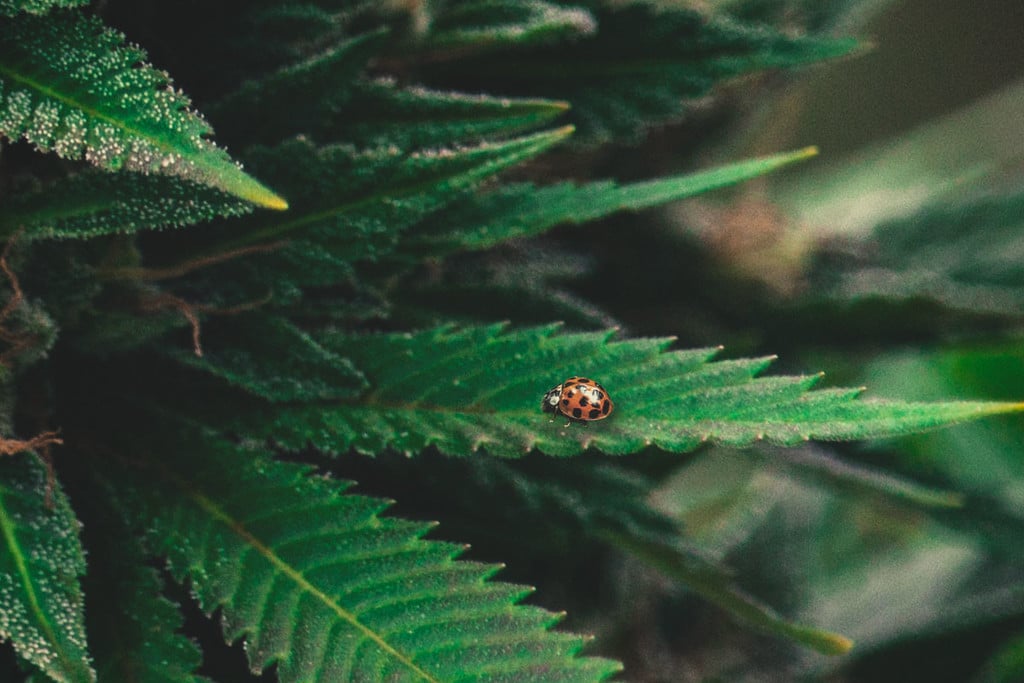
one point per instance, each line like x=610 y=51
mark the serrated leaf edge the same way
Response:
x=238 y=528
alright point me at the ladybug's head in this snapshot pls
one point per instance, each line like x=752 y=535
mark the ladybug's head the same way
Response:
x=549 y=404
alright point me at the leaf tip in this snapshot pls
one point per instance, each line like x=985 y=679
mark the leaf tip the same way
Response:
x=807 y=152
x=836 y=644
x=276 y=202
x=1000 y=408
x=564 y=131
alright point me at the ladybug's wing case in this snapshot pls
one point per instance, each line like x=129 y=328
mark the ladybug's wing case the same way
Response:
x=585 y=400
x=578 y=398
x=605 y=402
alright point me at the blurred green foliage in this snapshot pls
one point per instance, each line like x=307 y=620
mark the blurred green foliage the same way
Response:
x=894 y=261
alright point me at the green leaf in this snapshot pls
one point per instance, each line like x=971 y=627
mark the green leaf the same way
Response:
x=93 y=204
x=567 y=502
x=530 y=301
x=522 y=210
x=1007 y=664
x=480 y=387
x=40 y=563
x=8 y=8
x=301 y=280
x=72 y=86
x=962 y=254
x=381 y=114
x=300 y=98
x=318 y=584
x=357 y=202
x=993 y=471
x=720 y=589
x=134 y=631
x=323 y=97
x=820 y=465
x=528 y=281
x=814 y=14
x=272 y=359
x=643 y=65
x=498 y=22
x=611 y=504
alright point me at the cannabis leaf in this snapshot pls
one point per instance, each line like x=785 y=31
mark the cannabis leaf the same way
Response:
x=355 y=198
x=9 y=8
x=72 y=86
x=40 y=563
x=480 y=387
x=93 y=204
x=421 y=117
x=271 y=358
x=521 y=210
x=818 y=465
x=521 y=22
x=121 y=587
x=641 y=65
x=318 y=583
x=571 y=503
x=964 y=255
x=299 y=98
x=324 y=97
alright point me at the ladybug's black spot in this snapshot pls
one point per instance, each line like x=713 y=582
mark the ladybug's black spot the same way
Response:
x=584 y=380
x=584 y=401
x=565 y=401
x=605 y=407
x=576 y=412
x=594 y=413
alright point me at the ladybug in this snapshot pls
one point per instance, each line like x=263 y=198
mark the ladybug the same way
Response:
x=579 y=399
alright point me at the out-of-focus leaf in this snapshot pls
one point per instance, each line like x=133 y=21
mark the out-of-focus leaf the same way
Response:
x=489 y=23
x=515 y=211
x=1007 y=664
x=11 y=7
x=965 y=255
x=847 y=197
x=994 y=469
x=641 y=66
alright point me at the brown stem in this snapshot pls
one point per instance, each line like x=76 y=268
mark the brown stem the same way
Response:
x=18 y=342
x=14 y=446
x=186 y=267
x=165 y=300
x=18 y=295
x=190 y=311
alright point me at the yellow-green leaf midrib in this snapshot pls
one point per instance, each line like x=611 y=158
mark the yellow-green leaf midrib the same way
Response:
x=238 y=528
